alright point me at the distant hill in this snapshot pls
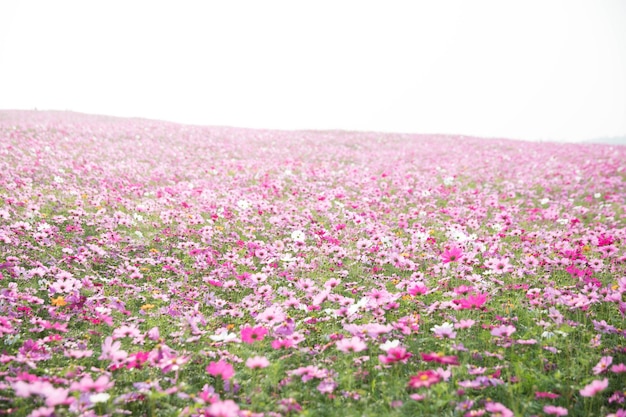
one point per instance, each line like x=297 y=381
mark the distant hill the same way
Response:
x=613 y=140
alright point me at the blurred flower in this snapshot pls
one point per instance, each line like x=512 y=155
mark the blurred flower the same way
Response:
x=253 y=334
x=424 y=379
x=557 y=411
x=354 y=344
x=226 y=408
x=59 y=301
x=257 y=362
x=445 y=330
x=594 y=387
x=221 y=368
x=603 y=365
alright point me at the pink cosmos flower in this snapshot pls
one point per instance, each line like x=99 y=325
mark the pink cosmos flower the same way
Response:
x=540 y=394
x=594 y=387
x=472 y=301
x=77 y=353
x=226 y=408
x=126 y=331
x=253 y=334
x=475 y=413
x=57 y=396
x=619 y=368
x=172 y=362
x=395 y=354
x=464 y=324
x=453 y=254
x=424 y=379
x=282 y=343
x=111 y=350
x=417 y=289
x=42 y=412
x=87 y=384
x=327 y=386
x=557 y=411
x=207 y=395
x=603 y=365
x=445 y=374
x=309 y=372
x=257 y=362
x=498 y=410
x=354 y=344
x=221 y=368
x=440 y=358
x=272 y=315
x=503 y=331
x=499 y=266
x=153 y=333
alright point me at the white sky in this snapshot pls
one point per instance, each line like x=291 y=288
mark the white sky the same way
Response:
x=531 y=69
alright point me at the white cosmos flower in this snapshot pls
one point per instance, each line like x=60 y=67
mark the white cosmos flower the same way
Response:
x=287 y=257
x=99 y=398
x=298 y=235
x=353 y=308
x=223 y=336
x=243 y=204
x=389 y=344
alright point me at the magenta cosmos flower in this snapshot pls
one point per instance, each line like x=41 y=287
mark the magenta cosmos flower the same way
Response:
x=221 y=368
x=395 y=354
x=453 y=254
x=253 y=334
x=472 y=301
x=424 y=379
x=440 y=358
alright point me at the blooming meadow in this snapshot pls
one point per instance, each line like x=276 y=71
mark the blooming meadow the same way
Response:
x=155 y=269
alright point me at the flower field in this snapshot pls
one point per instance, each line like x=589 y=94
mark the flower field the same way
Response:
x=155 y=269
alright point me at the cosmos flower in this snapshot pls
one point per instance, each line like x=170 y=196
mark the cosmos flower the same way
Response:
x=395 y=354
x=440 y=358
x=498 y=410
x=87 y=384
x=454 y=254
x=472 y=301
x=353 y=344
x=226 y=408
x=555 y=410
x=443 y=331
x=257 y=362
x=594 y=387
x=603 y=365
x=221 y=368
x=503 y=331
x=424 y=379
x=253 y=334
